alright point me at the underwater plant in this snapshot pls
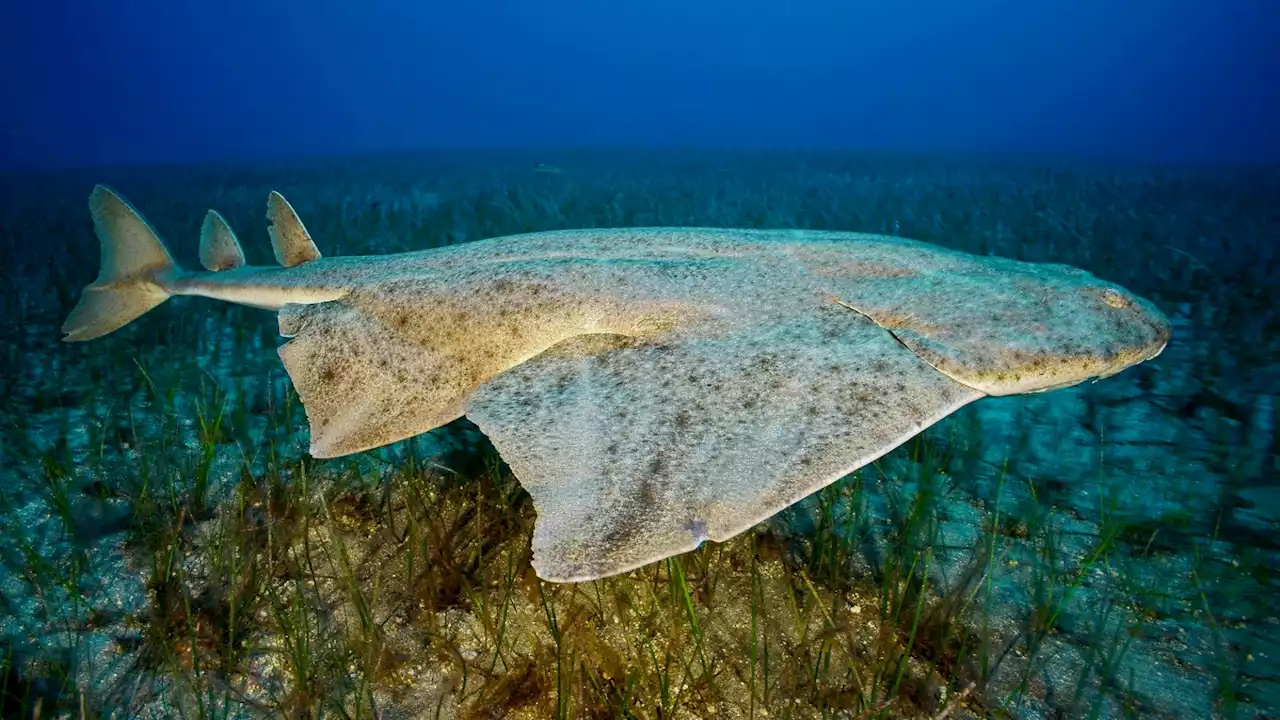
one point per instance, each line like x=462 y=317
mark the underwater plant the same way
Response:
x=168 y=547
x=652 y=388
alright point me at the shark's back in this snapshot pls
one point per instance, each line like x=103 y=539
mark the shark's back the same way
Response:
x=650 y=387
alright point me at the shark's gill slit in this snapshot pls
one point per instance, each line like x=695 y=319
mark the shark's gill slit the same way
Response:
x=667 y=402
x=892 y=334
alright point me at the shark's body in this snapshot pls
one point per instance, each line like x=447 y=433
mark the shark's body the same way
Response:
x=650 y=387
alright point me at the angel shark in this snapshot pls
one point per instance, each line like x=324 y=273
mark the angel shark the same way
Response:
x=651 y=388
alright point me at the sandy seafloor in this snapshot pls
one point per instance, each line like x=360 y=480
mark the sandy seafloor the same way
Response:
x=1175 y=461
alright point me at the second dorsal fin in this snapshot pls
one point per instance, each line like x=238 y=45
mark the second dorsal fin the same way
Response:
x=219 y=248
x=290 y=240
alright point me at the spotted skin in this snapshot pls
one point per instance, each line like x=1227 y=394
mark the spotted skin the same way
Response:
x=651 y=388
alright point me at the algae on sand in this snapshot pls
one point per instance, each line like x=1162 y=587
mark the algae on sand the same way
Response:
x=1104 y=550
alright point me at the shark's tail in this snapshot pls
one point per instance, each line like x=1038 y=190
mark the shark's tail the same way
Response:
x=136 y=267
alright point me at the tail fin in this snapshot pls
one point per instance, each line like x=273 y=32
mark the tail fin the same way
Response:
x=135 y=266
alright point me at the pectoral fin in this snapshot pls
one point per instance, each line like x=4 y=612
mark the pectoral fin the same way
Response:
x=637 y=450
x=366 y=383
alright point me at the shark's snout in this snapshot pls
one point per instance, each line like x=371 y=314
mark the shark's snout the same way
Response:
x=1152 y=329
x=1129 y=330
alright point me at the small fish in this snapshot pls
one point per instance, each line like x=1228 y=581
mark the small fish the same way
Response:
x=651 y=388
x=549 y=169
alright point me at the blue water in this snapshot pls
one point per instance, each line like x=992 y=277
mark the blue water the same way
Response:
x=1123 y=533
x=140 y=81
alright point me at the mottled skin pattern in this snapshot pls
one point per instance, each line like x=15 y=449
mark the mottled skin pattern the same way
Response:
x=1001 y=326
x=722 y=383
x=646 y=450
x=653 y=388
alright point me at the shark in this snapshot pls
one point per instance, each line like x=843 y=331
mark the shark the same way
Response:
x=651 y=388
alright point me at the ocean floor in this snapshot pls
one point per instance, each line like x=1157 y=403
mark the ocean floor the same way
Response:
x=1110 y=550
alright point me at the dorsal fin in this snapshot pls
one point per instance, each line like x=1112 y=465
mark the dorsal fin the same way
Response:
x=290 y=240
x=219 y=248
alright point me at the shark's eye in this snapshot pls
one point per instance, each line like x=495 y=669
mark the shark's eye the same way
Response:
x=1114 y=299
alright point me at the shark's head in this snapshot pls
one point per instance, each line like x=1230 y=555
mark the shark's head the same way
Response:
x=1061 y=327
x=1006 y=327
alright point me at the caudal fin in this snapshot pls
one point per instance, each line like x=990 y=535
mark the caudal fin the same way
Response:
x=135 y=268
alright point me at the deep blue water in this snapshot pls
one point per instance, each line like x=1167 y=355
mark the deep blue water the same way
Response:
x=1135 y=139
x=140 y=81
